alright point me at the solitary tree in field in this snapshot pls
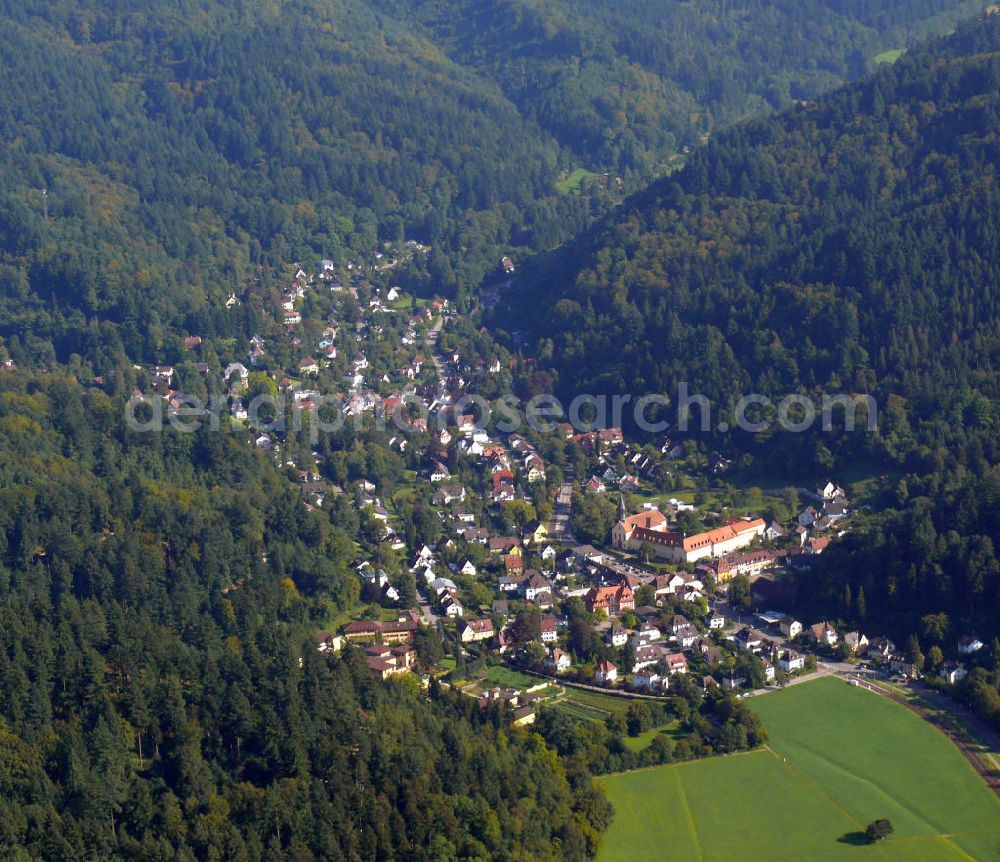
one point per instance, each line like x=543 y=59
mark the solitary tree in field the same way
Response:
x=878 y=829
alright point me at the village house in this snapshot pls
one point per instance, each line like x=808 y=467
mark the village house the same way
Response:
x=438 y=472
x=535 y=533
x=472 y=631
x=823 y=633
x=648 y=632
x=807 y=517
x=790 y=628
x=676 y=662
x=534 y=584
x=953 y=672
x=558 y=661
x=475 y=534
x=513 y=564
x=902 y=665
x=792 y=661
x=835 y=510
x=969 y=644
x=329 y=642
x=647 y=654
x=881 y=647
x=750 y=640
x=163 y=373
x=451 y=606
x=550 y=632
x=510 y=583
x=605 y=672
x=648 y=679
x=856 y=642
x=617 y=636
x=773 y=532
x=386 y=661
x=447 y=494
x=523 y=715
x=830 y=491
x=750 y=564
x=817 y=545
x=612 y=600
x=534 y=469
x=504 y=545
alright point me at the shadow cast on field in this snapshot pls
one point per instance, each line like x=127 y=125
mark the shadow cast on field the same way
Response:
x=855 y=839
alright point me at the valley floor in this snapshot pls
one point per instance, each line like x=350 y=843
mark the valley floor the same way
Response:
x=838 y=758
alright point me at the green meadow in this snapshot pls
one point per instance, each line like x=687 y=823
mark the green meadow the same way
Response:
x=890 y=56
x=838 y=758
x=570 y=183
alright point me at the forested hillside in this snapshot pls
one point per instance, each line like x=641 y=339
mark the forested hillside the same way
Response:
x=162 y=694
x=182 y=144
x=933 y=552
x=845 y=246
x=156 y=154
x=626 y=85
x=161 y=593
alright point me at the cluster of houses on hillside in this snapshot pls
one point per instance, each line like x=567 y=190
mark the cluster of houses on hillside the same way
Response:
x=335 y=362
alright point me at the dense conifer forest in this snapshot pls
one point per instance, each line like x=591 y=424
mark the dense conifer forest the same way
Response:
x=183 y=145
x=160 y=594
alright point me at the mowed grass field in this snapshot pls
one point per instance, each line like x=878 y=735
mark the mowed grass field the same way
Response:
x=838 y=758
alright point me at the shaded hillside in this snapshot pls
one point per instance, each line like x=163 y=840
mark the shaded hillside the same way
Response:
x=624 y=85
x=847 y=246
x=182 y=144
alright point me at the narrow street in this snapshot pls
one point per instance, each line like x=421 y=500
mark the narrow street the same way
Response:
x=561 y=528
x=431 y=342
x=430 y=617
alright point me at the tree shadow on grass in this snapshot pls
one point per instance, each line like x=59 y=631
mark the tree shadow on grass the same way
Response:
x=855 y=839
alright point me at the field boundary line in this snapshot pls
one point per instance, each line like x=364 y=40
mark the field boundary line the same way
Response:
x=677 y=764
x=689 y=816
x=805 y=779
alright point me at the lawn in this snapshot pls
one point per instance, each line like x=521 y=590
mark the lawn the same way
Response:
x=570 y=184
x=643 y=740
x=509 y=678
x=838 y=758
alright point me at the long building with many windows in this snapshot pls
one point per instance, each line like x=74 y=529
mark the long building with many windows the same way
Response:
x=651 y=529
